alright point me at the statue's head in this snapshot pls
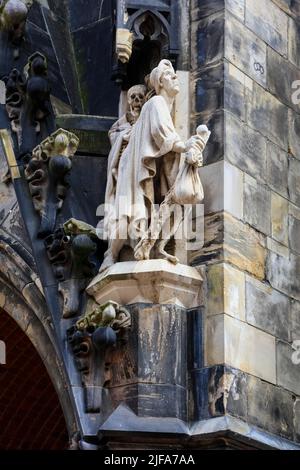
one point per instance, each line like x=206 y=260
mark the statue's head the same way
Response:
x=136 y=98
x=164 y=77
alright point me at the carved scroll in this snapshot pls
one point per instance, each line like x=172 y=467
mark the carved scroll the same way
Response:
x=47 y=174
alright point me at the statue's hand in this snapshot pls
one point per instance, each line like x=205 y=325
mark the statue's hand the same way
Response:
x=194 y=158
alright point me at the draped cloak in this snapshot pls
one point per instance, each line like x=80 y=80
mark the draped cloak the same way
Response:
x=132 y=195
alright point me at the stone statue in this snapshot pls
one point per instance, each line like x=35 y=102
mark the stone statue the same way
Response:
x=148 y=174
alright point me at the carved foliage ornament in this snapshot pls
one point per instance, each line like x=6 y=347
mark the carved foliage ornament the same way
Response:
x=28 y=104
x=91 y=340
x=47 y=173
x=70 y=250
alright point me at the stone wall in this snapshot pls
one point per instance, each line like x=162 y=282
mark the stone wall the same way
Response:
x=245 y=57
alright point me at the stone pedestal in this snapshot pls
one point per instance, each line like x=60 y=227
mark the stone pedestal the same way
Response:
x=152 y=281
x=149 y=375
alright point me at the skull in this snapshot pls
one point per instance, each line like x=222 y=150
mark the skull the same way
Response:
x=136 y=99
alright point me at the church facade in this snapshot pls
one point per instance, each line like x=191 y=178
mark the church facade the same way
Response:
x=178 y=124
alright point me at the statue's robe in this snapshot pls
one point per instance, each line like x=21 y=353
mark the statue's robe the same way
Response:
x=147 y=166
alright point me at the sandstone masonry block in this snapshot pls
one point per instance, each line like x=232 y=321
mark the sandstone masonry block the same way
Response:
x=209 y=37
x=244 y=49
x=294 y=42
x=294 y=133
x=289 y=6
x=279 y=218
x=269 y=22
x=270 y=407
x=288 y=373
x=245 y=148
x=267 y=115
x=283 y=273
x=295 y=320
x=281 y=75
x=226 y=291
x=294 y=228
x=257 y=205
x=277 y=169
x=244 y=247
x=267 y=308
x=294 y=181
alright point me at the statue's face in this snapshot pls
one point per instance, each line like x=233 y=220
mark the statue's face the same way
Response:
x=136 y=98
x=170 y=82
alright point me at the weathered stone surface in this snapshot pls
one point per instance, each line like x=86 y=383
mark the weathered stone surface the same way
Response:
x=7 y=193
x=270 y=407
x=297 y=419
x=210 y=89
x=292 y=7
x=288 y=372
x=281 y=75
x=209 y=37
x=282 y=273
x=213 y=241
x=214 y=150
x=266 y=114
x=241 y=346
x=257 y=205
x=203 y=8
x=278 y=248
x=245 y=50
x=277 y=169
x=294 y=42
x=294 y=231
x=227 y=392
x=234 y=92
x=279 y=218
x=216 y=179
x=295 y=320
x=294 y=134
x=294 y=181
x=244 y=247
x=269 y=23
x=226 y=291
x=245 y=147
x=236 y=7
x=267 y=309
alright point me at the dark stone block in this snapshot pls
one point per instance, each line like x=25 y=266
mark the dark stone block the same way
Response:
x=234 y=96
x=281 y=75
x=99 y=94
x=195 y=335
x=36 y=36
x=210 y=40
x=210 y=89
x=270 y=407
x=267 y=309
x=59 y=8
x=87 y=191
x=203 y=8
x=36 y=17
x=282 y=273
x=91 y=130
x=152 y=400
x=156 y=352
x=84 y=12
x=64 y=54
x=215 y=148
x=218 y=391
x=266 y=114
x=294 y=181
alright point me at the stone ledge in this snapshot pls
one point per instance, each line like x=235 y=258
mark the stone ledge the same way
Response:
x=151 y=281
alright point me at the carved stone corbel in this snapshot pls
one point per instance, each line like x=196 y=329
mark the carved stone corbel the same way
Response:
x=28 y=104
x=70 y=251
x=13 y=16
x=124 y=42
x=47 y=173
x=92 y=339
